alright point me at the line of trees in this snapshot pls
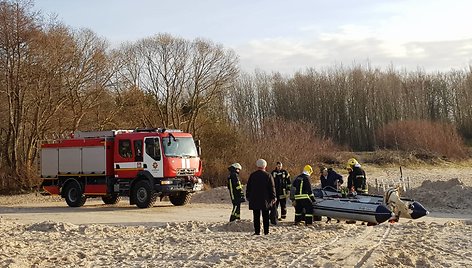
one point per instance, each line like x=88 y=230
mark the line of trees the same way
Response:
x=55 y=80
x=350 y=104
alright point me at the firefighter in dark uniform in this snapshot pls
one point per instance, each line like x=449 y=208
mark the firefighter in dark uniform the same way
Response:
x=302 y=195
x=356 y=182
x=282 y=190
x=235 y=191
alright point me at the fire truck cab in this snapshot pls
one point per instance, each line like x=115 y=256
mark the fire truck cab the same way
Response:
x=143 y=164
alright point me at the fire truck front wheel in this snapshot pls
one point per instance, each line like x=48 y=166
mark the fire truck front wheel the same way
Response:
x=144 y=194
x=111 y=199
x=73 y=194
x=180 y=199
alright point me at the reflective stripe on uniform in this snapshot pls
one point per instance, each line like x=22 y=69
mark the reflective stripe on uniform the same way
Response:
x=233 y=212
x=302 y=196
x=231 y=189
x=239 y=187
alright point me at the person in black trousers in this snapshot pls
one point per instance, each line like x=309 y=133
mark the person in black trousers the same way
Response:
x=282 y=190
x=235 y=191
x=260 y=192
x=302 y=196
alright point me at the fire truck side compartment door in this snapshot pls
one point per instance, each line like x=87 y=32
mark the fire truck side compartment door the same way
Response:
x=70 y=160
x=153 y=157
x=93 y=160
x=49 y=162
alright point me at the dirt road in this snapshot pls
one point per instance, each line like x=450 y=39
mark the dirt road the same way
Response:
x=95 y=212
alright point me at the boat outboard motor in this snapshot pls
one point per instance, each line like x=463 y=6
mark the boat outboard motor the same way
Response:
x=417 y=210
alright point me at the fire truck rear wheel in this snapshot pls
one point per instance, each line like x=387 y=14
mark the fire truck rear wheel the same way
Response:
x=111 y=199
x=180 y=199
x=73 y=194
x=144 y=194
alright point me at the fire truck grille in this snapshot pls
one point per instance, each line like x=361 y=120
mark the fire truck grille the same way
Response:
x=185 y=171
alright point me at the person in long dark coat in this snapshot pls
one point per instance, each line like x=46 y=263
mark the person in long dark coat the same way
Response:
x=260 y=192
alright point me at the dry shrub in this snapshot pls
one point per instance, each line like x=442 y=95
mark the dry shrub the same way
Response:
x=294 y=143
x=215 y=172
x=7 y=182
x=220 y=144
x=24 y=182
x=388 y=157
x=424 y=139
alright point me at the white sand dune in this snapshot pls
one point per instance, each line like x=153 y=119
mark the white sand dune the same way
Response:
x=201 y=244
x=38 y=231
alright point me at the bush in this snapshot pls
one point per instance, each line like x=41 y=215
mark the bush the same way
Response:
x=388 y=157
x=425 y=140
x=295 y=144
x=220 y=148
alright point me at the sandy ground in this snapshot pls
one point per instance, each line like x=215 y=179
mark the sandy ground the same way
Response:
x=38 y=231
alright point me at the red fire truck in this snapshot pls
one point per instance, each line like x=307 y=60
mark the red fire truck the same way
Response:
x=143 y=164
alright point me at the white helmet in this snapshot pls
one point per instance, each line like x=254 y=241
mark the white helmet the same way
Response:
x=237 y=166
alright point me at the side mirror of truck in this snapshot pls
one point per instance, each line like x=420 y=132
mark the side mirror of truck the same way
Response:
x=199 y=149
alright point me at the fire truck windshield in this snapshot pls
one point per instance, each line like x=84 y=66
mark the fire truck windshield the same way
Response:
x=179 y=147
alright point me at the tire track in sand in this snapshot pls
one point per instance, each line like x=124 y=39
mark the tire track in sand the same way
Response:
x=313 y=250
x=369 y=252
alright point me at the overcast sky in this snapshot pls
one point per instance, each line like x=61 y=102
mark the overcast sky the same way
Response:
x=288 y=36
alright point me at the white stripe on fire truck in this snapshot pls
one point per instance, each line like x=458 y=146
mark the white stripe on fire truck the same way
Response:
x=128 y=165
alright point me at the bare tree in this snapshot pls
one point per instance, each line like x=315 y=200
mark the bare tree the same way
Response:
x=183 y=77
x=17 y=29
x=87 y=77
x=214 y=70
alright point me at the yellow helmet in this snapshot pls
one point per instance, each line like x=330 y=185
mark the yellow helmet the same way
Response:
x=351 y=162
x=308 y=169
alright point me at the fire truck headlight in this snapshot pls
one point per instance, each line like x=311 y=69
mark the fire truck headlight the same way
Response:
x=166 y=182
